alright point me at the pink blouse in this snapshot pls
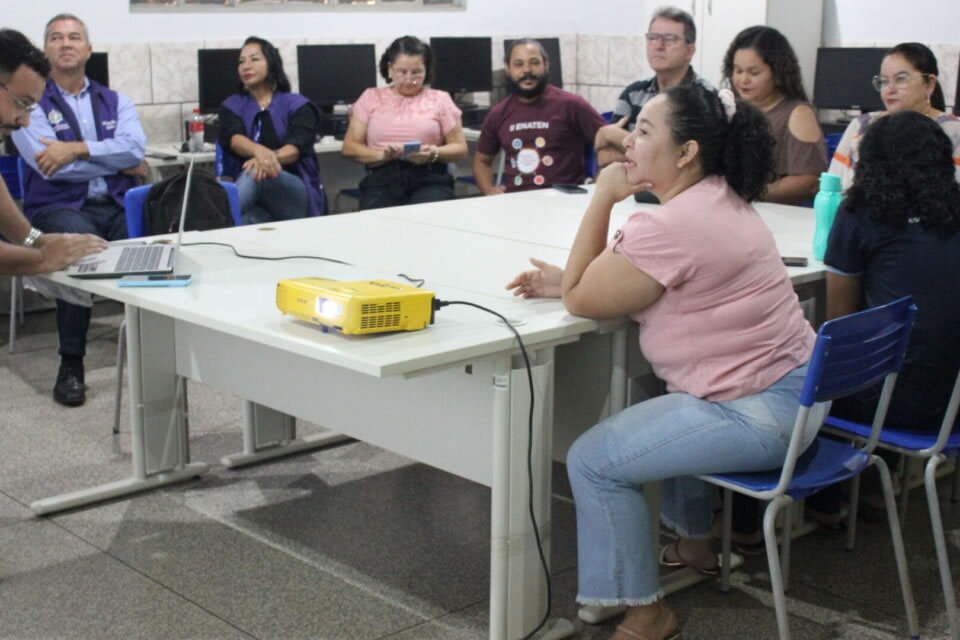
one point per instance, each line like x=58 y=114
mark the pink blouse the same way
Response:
x=425 y=118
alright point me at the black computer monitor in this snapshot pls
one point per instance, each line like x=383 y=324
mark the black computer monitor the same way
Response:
x=98 y=69
x=462 y=65
x=217 y=77
x=332 y=74
x=843 y=78
x=552 y=45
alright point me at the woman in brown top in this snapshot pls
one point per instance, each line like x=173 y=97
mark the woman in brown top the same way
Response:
x=762 y=69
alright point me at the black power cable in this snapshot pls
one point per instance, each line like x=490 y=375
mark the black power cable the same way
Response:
x=438 y=304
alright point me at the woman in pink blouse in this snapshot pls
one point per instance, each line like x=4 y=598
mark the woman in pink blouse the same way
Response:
x=385 y=120
x=719 y=323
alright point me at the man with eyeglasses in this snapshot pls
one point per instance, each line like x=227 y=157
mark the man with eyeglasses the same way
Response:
x=84 y=149
x=541 y=129
x=671 y=43
x=22 y=70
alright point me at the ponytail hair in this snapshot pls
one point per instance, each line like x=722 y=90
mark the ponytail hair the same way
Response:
x=922 y=59
x=740 y=149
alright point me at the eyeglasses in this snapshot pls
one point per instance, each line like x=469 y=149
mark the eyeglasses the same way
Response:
x=899 y=81
x=666 y=38
x=403 y=73
x=21 y=105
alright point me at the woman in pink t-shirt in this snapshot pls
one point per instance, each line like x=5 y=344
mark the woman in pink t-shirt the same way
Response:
x=720 y=324
x=405 y=133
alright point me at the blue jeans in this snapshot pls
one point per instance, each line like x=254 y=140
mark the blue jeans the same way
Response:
x=104 y=219
x=668 y=438
x=271 y=199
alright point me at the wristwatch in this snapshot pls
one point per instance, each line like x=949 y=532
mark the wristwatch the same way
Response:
x=31 y=238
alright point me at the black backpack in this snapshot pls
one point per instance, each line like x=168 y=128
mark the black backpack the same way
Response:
x=207 y=208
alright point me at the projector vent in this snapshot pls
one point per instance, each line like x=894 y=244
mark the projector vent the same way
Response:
x=383 y=321
x=390 y=307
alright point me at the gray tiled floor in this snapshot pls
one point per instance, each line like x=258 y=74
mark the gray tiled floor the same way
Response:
x=348 y=543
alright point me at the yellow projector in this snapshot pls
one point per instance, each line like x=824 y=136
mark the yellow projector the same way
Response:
x=362 y=306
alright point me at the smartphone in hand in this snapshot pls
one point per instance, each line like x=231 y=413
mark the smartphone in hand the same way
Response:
x=156 y=280
x=410 y=147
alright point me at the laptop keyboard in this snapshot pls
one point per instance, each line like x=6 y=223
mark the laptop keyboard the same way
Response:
x=141 y=258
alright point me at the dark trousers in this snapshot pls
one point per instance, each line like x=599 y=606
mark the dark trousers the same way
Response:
x=104 y=219
x=400 y=182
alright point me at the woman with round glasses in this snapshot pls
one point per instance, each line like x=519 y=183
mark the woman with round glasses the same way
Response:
x=907 y=82
x=762 y=68
x=385 y=120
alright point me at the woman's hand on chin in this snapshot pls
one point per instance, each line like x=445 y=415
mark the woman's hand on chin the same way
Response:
x=613 y=183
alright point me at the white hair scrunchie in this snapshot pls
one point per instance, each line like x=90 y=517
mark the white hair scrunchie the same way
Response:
x=729 y=102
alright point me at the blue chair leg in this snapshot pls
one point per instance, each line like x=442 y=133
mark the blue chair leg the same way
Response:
x=773 y=560
x=943 y=560
x=897 y=537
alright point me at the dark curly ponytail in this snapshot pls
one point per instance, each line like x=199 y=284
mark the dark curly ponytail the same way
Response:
x=740 y=150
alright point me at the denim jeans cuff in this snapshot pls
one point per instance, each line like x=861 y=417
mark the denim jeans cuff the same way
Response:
x=619 y=602
x=682 y=532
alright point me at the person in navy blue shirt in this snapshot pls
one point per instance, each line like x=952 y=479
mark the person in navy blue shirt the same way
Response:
x=84 y=149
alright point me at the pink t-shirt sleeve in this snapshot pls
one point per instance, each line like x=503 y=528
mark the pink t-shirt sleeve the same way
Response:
x=364 y=105
x=449 y=113
x=650 y=246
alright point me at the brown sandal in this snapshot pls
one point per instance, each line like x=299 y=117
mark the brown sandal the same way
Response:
x=693 y=563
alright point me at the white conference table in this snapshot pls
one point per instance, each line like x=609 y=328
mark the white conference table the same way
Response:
x=453 y=396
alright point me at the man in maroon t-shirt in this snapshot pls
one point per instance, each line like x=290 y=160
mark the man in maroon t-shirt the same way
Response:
x=542 y=129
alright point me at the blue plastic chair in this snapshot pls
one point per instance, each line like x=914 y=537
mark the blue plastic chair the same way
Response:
x=134 y=199
x=133 y=203
x=936 y=446
x=831 y=142
x=851 y=353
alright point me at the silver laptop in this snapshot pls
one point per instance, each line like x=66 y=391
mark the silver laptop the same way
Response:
x=126 y=258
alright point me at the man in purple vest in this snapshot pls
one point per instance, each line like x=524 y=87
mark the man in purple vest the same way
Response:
x=84 y=148
x=22 y=71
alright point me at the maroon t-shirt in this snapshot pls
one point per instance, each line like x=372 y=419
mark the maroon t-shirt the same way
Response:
x=543 y=140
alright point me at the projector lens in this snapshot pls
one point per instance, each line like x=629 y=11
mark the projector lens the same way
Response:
x=329 y=308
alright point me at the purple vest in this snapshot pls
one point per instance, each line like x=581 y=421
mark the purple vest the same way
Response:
x=281 y=106
x=40 y=193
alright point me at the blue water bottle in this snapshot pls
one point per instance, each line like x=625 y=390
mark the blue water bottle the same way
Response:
x=825 y=208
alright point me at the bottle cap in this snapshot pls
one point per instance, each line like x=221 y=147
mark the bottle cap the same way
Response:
x=829 y=182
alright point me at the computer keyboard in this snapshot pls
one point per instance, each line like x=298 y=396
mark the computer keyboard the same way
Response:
x=140 y=258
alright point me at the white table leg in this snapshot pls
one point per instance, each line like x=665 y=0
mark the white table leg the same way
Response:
x=517 y=585
x=158 y=431
x=269 y=434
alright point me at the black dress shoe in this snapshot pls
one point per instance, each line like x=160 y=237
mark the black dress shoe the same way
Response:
x=69 y=389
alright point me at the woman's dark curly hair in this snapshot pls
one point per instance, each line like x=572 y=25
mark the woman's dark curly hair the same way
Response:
x=407 y=46
x=740 y=150
x=922 y=59
x=776 y=52
x=906 y=170
x=276 y=76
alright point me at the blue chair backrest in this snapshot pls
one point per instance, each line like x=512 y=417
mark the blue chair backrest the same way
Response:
x=831 y=142
x=134 y=199
x=589 y=161
x=858 y=351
